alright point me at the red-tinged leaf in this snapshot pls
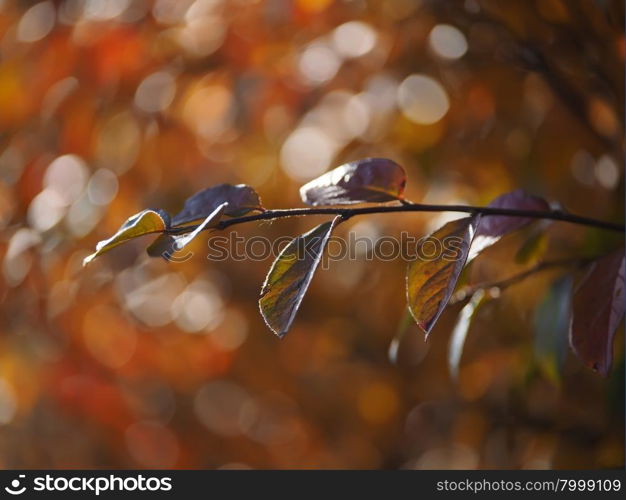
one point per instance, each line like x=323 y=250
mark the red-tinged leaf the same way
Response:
x=431 y=282
x=598 y=310
x=493 y=227
x=290 y=275
x=145 y=222
x=461 y=328
x=241 y=199
x=167 y=244
x=368 y=180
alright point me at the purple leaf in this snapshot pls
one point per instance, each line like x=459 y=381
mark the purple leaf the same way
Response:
x=597 y=311
x=368 y=180
x=493 y=227
x=241 y=199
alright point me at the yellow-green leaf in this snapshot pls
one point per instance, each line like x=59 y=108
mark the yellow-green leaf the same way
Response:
x=432 y=277
x=290 y=276
x=145 y=222
x=533 y=247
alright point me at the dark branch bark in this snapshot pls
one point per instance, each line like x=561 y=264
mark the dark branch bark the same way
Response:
x=412 y=207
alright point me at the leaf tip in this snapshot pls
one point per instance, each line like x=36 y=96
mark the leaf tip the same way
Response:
x=600 y=368
x=424 y=326
x=88 y=259
x=280 y=333
x=392 y=351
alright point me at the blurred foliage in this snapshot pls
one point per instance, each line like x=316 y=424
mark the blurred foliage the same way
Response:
x=108 y=107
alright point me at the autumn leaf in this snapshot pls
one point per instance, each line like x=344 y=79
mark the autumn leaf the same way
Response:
x=145 y=222
x=534 y=246
x=401 y=330
x=431 y=281
x=598 y=309
x=241 y=199
x=290 y=275
x=493 y=227
x=461 y=328
x=167 y=244
x=368 y=180
x=551 y=326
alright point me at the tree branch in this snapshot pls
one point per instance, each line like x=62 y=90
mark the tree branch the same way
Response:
x=410 y=207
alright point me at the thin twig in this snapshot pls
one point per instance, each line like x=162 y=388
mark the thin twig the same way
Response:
x=503 y=284
x=411 y=207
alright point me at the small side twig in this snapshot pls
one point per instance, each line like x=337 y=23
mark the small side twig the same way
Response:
x=505 y=283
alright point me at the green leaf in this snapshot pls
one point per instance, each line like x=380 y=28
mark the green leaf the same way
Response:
x=290 y=276
x=167 y=244
x=461 y=328
x=403 y=327
x=551 y=326
x=368 y=180
x=598 y=310
x=430 y=282
x=533 y=247
x=241 y=199
x=145 y=222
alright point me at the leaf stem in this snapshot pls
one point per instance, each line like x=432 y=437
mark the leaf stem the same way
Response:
x=346 y=213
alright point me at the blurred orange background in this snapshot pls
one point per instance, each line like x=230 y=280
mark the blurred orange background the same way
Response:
x=108 y=107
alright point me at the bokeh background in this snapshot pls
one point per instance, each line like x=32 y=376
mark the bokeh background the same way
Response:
x=108 y=107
